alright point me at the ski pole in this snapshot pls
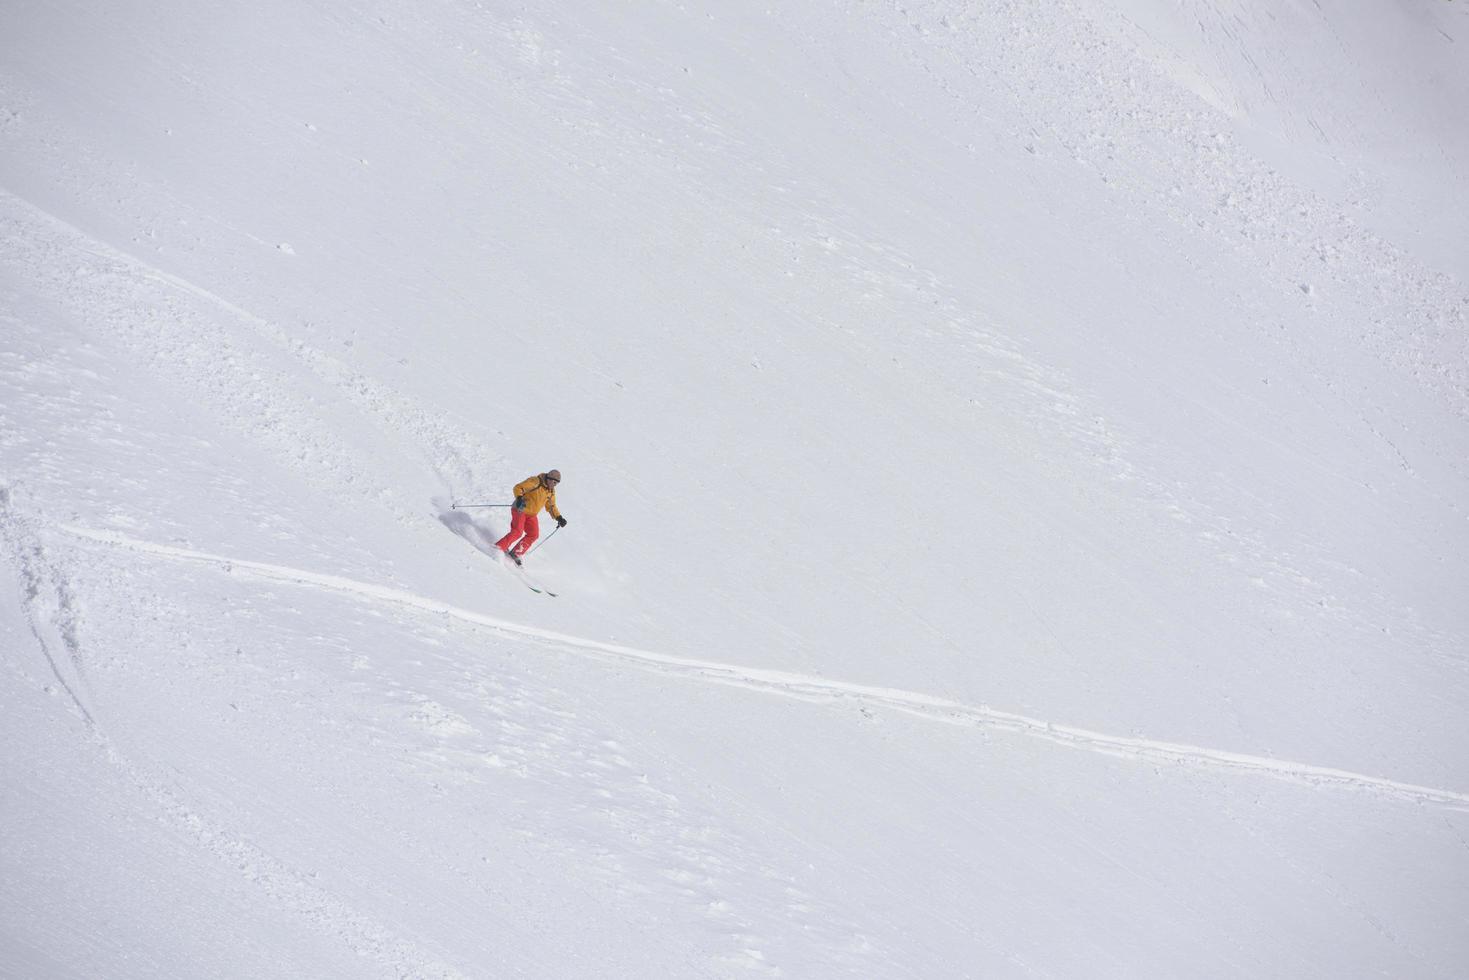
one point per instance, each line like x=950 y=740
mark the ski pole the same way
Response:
x=463 y=506
x=542 y=541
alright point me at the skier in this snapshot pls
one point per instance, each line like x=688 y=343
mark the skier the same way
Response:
x=531 y=494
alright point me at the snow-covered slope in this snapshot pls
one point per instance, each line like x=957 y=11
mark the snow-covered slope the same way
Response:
x=1016 y=462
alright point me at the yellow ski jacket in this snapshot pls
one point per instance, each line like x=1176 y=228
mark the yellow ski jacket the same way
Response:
x=537 y=495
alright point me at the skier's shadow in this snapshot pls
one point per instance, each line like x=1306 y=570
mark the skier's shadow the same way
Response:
x=483 y=538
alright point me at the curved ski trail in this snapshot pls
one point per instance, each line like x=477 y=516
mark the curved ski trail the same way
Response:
x=808 y=687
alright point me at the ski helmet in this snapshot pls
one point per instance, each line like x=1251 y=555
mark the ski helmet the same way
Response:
x=554 y=476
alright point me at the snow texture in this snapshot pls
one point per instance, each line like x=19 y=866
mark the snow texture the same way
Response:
x=1016 y=458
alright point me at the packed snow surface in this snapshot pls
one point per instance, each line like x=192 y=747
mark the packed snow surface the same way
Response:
x=1016 y=458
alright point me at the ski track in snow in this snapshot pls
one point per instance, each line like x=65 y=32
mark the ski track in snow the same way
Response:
x=49 y=612
x=806 y=687
x=249 y=368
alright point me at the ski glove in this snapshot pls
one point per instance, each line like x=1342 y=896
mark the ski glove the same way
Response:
x=520 y=503
x=560 y=522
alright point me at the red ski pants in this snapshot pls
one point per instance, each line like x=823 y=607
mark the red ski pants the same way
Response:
x=520 y=523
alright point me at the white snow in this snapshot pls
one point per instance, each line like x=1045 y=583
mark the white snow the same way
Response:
x=1016 y=458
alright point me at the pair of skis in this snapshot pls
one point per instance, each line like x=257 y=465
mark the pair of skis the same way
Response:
x=514 y=567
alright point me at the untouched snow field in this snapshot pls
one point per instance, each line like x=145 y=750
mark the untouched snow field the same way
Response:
x=1016 y=457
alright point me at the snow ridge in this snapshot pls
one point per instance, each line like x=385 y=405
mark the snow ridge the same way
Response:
x=811 y=688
